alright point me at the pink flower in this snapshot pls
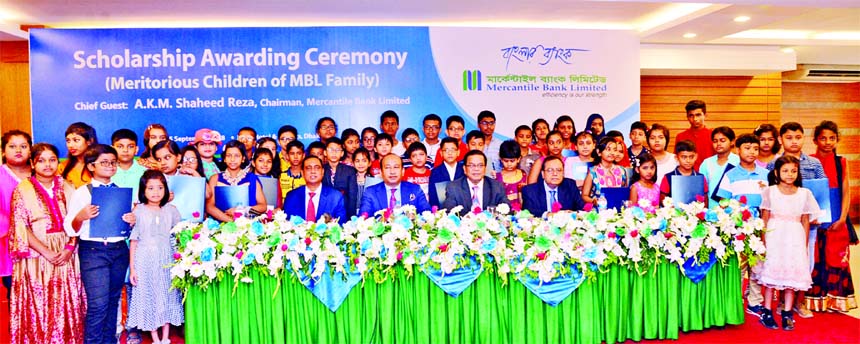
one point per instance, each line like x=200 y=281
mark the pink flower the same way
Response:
x=743 y=199
x=634 y=233
x=556 y=207
x=541 y=255
x=308 y=241
x=284 y=247
x=741 y=236
x=700 y=198
x=237 y=214
x=364 y=215
x=177 y=256
x=476 y=210
x=668 y=235
x=746 y=215
x=195 y=214
x=355 y=261
x=443 y=247
x=701 y=216
x=269 y=214
x=434 y=209
x=517 y=206
x=387 y=214
x=400 y=255
x=611 y=235
x=196 y=236
x=239 y=254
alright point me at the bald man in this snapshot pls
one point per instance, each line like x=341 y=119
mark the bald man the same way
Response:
x=392 y=192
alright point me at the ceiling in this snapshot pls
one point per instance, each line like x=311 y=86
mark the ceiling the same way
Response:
x=820 y=32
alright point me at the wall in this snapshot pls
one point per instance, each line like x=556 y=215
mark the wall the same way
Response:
x=14 y=87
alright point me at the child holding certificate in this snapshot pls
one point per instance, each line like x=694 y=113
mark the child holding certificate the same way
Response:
x=605 y=173
x=103 y=258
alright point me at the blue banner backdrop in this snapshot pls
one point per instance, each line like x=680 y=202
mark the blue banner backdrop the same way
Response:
x=227 y=78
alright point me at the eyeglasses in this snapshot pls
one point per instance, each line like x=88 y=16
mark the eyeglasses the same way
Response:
x=369 y=139
x=554 y=170
x=432 y=127
x=326 y=127
x=106 y=163
x=475 y=166
x=287 y=139
x=189 y=159
x=335 y=150
x=456 y=129
x=487 y=122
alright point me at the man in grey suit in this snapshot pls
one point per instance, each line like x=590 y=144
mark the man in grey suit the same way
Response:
x=475 y=190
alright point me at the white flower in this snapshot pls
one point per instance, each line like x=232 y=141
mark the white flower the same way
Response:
x=246 y=279
x=196 y=270
x=503 y=209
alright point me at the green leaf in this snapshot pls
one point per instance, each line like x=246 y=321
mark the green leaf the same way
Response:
x=543 y=243
x=699 y=232
x=378 y=228
x=446 y=235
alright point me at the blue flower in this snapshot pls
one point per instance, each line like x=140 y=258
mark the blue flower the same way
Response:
x=590 y=253
x=489 y=245
x=663 y=224
x=503 y=231
x=601 y=237
x=404 y=221
x=294 y=242
x=456 y=219
x=297 y=220
x=257 y=228
x=366 y=245
x=383 y=253
x=592 y=266
x=212 y=224
x=320 y=228
x=638 y=212
x=711 y=216
x=248 y=259
x=207 y=254
x=727 y=210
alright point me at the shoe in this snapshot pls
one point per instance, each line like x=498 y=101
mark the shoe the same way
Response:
x=787 y=320
x=133 y=338
x=767 y=319
x=754 y=310
x=802 y=311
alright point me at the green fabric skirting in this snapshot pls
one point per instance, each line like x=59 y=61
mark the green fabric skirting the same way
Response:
x=619 y=305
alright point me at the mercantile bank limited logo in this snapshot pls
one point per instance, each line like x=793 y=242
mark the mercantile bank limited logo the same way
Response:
x=472 y=80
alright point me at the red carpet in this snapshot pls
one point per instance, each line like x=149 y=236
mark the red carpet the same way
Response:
x=823 y=328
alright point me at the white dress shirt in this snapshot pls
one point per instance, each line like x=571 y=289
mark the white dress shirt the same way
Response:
x=315 y=199
x=80 y=199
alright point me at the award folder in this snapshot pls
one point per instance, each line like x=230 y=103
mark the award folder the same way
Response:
x=270 y=190
x=821 y=191
x=189 y=196
x=579 y=170
x=227 y=197
x=615 y=197
x=686 y=188
x=441 y=193
x=113 y=202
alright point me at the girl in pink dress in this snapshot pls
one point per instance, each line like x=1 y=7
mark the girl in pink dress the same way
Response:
x=786 y=208
x=605 y=173
x=645 y=184
x=511 y=176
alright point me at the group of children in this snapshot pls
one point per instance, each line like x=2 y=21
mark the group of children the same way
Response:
x=748 y=167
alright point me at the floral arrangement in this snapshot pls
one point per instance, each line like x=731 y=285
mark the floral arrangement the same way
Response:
x=510 y=245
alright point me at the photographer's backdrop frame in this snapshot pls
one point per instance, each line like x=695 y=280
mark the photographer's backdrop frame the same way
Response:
x=228 y=78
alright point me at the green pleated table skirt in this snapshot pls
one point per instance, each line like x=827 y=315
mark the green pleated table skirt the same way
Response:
x=619 y=305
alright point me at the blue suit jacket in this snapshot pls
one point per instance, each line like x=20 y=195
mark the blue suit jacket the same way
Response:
x=345 y=182
x=440 y=174
x=375 y=198
x=331 y=202
x=460 y=194
x=534 y=197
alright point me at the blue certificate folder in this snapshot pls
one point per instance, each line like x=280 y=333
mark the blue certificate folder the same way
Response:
x=686 y=188
x=112 y=203
x=615 y=197
x=270 y=190
x=189 y=196
x=579 y=170
x=227 y=197
x=821 y=191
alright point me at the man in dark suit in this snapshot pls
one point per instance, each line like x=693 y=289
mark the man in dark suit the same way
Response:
x=392 y=192
x=449 y=151
x=554 y=192
x=475 y=190
x=313 y=200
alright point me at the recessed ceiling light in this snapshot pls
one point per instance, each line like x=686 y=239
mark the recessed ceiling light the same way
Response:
x=689 y=35
x=742 y=19
x=787 y=50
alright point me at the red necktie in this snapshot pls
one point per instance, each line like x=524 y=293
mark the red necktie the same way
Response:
x=311 y=215
x=392 y=202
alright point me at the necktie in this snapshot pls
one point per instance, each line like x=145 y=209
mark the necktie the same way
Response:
x=552 y=199
x=392 y=201
x=311 y=215
x=111 y=185
x=476 y=203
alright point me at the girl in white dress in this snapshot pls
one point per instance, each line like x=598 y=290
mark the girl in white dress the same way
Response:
x=786 y=209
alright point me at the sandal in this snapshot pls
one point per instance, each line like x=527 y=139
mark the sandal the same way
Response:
x=133 y=338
